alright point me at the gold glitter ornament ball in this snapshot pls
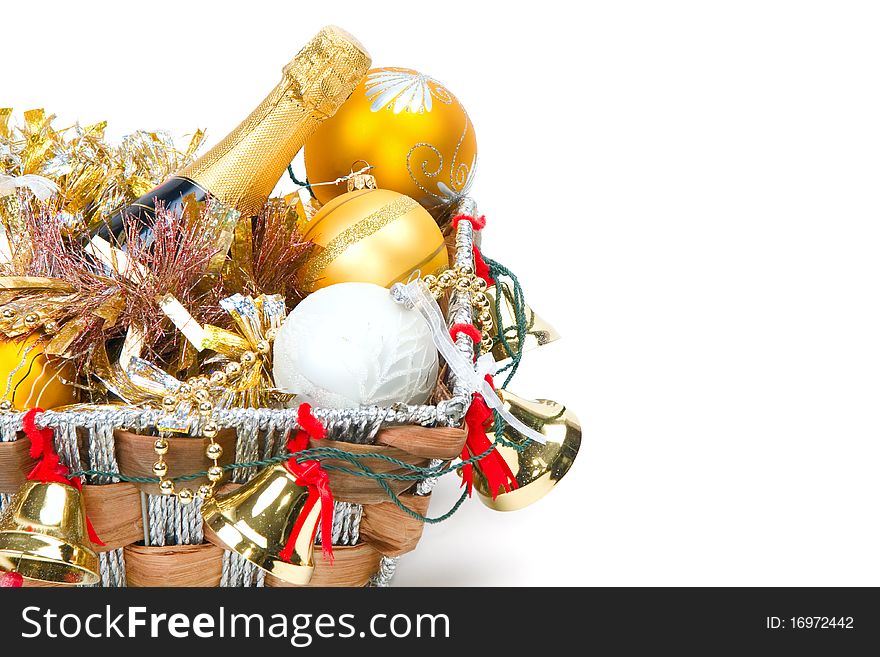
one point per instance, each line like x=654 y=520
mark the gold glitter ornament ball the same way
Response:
x=371 y=236
x=28 y=379
x=409 y=127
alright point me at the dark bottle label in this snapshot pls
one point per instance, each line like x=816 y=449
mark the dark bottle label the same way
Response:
x=143 y=211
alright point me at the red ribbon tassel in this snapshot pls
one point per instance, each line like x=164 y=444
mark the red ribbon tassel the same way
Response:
x=49 y=468
x=312 y=475
x=493 y=466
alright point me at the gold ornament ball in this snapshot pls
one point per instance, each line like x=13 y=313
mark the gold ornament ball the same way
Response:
x=32 y=380
x=371 y=236
x=409 y=127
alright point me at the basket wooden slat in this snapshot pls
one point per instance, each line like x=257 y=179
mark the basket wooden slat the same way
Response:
x=363 y=490
x=173 y=565
x=115 y=512
x=435 y=443
x=353 y=565
x=15 y=464
x=135 y=456
x=391 y=530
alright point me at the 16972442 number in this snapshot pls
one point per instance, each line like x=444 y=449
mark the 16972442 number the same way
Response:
x=810 y=623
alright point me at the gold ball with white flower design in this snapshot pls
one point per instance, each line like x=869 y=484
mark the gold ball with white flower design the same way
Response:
x=410 y=128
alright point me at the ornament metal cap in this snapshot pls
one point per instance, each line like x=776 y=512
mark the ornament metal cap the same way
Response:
x=538 y=468
x=256 y=520
x=43 y=536
x=361 y=179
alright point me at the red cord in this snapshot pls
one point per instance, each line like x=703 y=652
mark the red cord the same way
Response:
x=468 y=329
x=479 y=223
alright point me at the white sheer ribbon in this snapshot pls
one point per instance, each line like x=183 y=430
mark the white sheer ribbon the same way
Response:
x=472 y=376
x=41 y=187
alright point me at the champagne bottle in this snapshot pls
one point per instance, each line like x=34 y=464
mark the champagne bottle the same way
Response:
x=243 y=169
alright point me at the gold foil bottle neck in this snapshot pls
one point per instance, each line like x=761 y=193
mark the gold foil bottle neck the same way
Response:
x=321 y=85
x=243 y=169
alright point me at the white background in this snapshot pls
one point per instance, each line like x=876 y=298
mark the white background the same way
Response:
x=689 y=192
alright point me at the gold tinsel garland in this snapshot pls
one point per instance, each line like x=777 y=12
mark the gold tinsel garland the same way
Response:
x=94 y=177
x=107 y=310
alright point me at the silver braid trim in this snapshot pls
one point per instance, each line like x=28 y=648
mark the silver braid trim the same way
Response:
x=387 y=568
x=239 y=572
x=112 y=566
x=347 y=424
x=173 y=523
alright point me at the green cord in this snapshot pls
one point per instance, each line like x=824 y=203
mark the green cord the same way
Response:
x=496 y=271
x=297 y=182
x=323 y=453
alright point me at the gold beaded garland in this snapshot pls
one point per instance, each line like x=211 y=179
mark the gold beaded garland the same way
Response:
x=197 y=389
x=464 y=280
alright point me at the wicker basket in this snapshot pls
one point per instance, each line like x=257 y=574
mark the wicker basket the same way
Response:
x=153 y=540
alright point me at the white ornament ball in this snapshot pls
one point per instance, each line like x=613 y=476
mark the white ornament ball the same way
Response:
x=351 y=344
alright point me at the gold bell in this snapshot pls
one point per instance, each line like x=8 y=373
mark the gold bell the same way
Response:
x=538 y=468
x=256 y=520
x=538 y=331
x=43 y=535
